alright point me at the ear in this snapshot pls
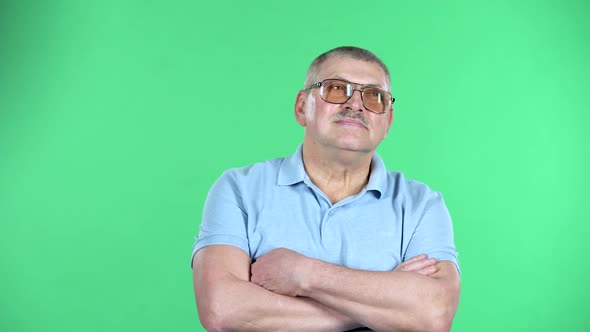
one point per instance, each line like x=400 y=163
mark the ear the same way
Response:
x=300 y=108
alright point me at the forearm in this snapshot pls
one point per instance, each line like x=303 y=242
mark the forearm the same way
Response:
x=240 y=305
x=392 y=301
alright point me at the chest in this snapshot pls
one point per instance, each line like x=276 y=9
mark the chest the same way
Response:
x=363 y=233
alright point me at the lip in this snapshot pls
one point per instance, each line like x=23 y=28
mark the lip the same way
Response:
x=351 y=122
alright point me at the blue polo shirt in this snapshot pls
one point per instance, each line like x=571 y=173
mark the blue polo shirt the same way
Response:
x=274 y=204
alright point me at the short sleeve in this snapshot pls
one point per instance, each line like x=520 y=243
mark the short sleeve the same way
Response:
x=224 y=217
x=433 y=234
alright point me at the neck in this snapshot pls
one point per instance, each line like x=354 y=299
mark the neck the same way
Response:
x=337 y=173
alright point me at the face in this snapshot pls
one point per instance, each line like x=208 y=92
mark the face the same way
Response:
x=349 y=126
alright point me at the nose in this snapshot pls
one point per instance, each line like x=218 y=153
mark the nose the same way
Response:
x=356 y=101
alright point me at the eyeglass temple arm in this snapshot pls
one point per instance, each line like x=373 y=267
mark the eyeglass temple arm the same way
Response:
x=315 y=85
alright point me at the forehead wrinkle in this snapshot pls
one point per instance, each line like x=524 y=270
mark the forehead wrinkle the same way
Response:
x=371 y=85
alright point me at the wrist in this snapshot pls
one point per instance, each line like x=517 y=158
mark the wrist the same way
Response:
x=309 y=268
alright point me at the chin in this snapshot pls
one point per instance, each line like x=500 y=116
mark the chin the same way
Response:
x=346 y=143
x=354 y=147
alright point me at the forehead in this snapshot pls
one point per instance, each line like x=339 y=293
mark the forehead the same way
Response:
x=353 y=70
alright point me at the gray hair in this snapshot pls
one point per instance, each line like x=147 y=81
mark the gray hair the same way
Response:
x=353 y=52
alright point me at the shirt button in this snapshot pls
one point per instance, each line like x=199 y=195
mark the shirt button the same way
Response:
x=331 y=213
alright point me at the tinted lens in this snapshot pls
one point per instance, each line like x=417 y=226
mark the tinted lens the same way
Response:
x=376 y=100
x=335 y=91
x=339 y=91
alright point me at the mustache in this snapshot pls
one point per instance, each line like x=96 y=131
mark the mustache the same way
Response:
x=348 y=113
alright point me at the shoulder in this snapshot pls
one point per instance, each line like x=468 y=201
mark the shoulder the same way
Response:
x=411 y=188
x=260 y=170
x=244 y=177
x=411 y=194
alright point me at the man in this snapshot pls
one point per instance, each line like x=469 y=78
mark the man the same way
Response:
x=327 y=239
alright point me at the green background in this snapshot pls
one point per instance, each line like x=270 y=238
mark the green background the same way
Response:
x=117 y=116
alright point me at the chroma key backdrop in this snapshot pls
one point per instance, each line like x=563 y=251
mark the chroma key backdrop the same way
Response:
x=116 y=117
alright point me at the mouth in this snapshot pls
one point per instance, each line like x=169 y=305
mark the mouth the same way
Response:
x=351 y=122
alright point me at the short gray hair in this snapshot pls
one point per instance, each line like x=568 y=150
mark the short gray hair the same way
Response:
x=353 y=52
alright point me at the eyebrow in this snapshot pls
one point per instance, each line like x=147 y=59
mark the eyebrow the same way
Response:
x=369 y=85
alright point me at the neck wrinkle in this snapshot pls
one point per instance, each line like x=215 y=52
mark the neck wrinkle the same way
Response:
x=339 y=175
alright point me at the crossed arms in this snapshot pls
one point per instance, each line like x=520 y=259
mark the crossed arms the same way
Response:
x=286 y=291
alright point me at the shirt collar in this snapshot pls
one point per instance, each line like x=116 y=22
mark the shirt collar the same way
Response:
x=292 y=172
x=378 y=177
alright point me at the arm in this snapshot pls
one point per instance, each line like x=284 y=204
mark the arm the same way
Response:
x=392 y=301
x=227 y=300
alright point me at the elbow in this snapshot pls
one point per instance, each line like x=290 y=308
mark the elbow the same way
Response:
x=216 y=311
x=213 y=321
x=220 y=315
x=440 y=324
x=442 y=312
x=210 y=321
x=216 y=320
x=435 y=319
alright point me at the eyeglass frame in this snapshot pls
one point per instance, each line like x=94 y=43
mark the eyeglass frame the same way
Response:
x=352 y=84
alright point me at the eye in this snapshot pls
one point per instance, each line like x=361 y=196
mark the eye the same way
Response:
x=374 y=93
x=337 y=89
x=338 y=86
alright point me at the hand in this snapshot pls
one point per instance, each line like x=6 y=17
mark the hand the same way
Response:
x=419 y=264
x=281 y=271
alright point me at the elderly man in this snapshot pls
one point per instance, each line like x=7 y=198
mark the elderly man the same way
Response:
x=327 y=239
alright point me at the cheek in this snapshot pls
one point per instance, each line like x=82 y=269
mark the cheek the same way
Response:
x=309 y=108
x=309 y=114
x=381 y=127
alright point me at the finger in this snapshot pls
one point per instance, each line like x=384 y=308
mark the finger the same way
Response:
x=427 y=271
x=412 y=260
x=417 y=265
x=415 y=258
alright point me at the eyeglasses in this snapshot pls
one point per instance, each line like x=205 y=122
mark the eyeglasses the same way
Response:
x=336 y=91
